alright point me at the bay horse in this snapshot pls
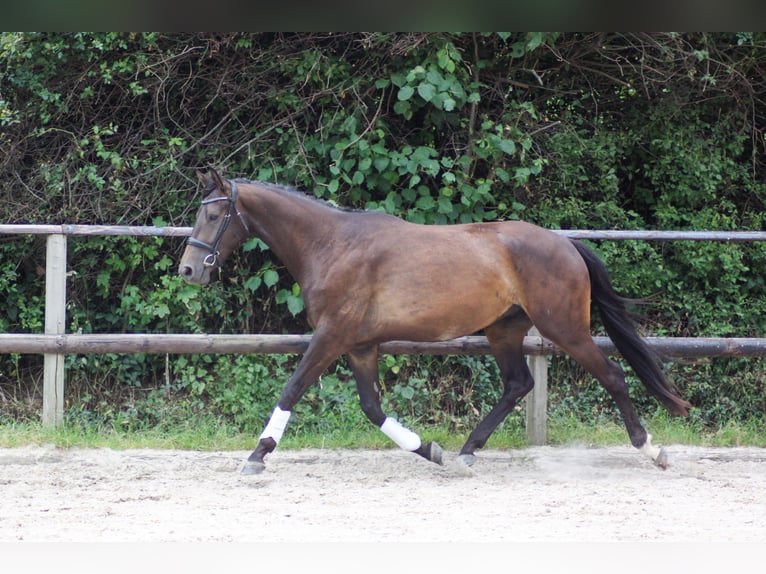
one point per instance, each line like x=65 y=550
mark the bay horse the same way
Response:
x=367 y=277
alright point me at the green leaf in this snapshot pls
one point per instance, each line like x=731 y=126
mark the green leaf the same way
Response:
x=409 y=194
x=254 y=243
x=426 y=203
x=294 y=304
x=445 y=205
x=445 y=61
x=405 y=93
x=435 y=77
x=270 y=277
x=399 y=79
x=507 y=146
x=253 y=283
x=534 y=39
x=426 y=91
x=404 y=109
x=381 y=163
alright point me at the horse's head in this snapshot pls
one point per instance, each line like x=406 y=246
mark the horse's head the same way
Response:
x=213 y=238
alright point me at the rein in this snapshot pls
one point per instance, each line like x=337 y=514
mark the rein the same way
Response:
x=212 y=258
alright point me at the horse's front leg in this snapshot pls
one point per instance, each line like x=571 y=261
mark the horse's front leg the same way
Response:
x=321 y=352
x=364 y=365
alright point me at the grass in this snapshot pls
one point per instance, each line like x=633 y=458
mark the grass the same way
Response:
x=211 y=435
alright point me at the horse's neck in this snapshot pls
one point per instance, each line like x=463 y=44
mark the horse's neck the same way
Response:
x=289 y=223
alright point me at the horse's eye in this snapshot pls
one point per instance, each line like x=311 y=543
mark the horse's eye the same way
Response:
x=212 y=217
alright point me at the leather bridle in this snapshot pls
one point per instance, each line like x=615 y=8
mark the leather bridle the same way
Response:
x=212 y=258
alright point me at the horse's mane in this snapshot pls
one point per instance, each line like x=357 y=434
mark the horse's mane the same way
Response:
x=286 y=189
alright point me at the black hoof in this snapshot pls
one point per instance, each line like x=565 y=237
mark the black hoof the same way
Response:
x=467 y=459
x=662 y=459
x=430 y=451
x=253 y=467
x=435 y=453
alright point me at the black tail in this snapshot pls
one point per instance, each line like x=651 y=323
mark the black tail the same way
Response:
x=622 y=332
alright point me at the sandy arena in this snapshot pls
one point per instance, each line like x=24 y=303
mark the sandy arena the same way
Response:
x=533 y=494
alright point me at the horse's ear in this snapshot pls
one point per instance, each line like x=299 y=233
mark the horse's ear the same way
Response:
x=204 y=179
x=218 y=180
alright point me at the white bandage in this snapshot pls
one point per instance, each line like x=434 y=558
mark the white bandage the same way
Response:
x=405 y=438
x=276 y=426
x=649 y=449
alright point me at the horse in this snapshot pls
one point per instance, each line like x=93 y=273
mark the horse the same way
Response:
x=368 y=277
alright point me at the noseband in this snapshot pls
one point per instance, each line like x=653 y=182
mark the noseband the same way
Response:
x=212 y=258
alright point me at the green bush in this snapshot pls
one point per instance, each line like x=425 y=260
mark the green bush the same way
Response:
x=567 y=130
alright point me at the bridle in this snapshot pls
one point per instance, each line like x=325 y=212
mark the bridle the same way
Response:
x=212 y=258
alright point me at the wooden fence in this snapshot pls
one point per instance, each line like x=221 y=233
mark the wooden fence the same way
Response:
x=55 y=343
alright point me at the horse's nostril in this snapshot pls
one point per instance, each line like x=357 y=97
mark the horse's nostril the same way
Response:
x=185 y=271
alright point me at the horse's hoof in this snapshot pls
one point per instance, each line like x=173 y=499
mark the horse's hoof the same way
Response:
x=253 y=467
x=467 y=459
x=430 y=451
x=435 y=453
x=662 y=459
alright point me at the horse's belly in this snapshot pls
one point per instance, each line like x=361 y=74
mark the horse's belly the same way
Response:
x=444 y=315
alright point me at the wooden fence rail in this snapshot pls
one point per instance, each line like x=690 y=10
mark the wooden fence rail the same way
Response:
x=54 y=344
x=595 y=234
x=187 y=344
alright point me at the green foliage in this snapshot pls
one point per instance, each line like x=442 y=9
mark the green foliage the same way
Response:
x=242 y=388
x=567 y=130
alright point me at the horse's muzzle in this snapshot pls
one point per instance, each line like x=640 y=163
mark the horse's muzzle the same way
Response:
x=198 y=276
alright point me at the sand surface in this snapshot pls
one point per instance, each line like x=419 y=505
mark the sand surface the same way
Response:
x=533 y=494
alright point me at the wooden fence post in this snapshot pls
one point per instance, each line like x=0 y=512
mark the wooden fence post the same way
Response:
x=537 y=400
x=55 y=324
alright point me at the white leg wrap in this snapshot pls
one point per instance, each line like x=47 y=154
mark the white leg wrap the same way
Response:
x=404 y=438
x=649 y=449
x=276 y=426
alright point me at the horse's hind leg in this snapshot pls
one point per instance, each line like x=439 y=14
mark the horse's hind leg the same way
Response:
x=611 y=376
x=506 y=339
x=364 y=365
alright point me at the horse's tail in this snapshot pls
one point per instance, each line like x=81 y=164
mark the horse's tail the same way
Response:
x=622 y=332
